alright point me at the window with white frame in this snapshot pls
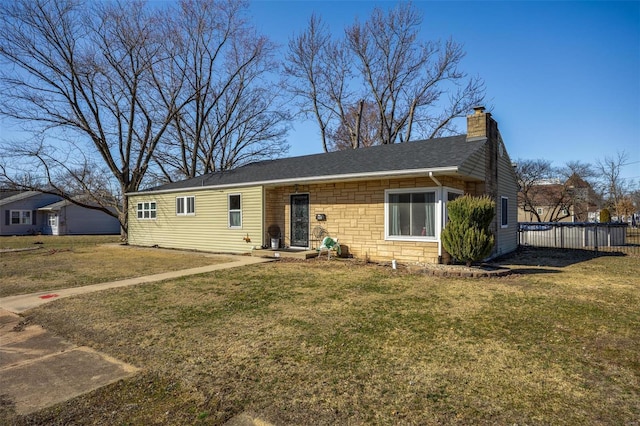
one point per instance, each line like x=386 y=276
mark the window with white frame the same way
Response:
x=504 y=212
x=412 y=214
x=185 y=206
x=20 y=217
x=235 y=211
x=452 y=194
x=146 y=210
x=539 y=210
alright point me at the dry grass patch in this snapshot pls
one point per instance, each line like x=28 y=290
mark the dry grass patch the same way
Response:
x=340 y=343
x=55 y=242
x=74 y=265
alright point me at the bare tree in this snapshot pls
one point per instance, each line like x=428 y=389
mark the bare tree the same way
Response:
x=613 y=186
x=530 y=174
x=416 y=86
x=318 y=70
x=234 y=115
x=118 y=94
x=38 y=166
x=359 y=128
x=94 y=77
x=553 y=194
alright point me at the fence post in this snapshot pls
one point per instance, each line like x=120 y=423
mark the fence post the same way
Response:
x=595 y=241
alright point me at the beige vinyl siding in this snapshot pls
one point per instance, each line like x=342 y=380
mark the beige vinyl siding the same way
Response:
x=475 y=165
x=507 y=240
x=206 y=230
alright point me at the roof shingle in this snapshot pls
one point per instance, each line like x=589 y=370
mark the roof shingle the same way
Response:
x=447 y=152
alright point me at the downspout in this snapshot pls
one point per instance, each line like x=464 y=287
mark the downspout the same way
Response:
x=437 y=182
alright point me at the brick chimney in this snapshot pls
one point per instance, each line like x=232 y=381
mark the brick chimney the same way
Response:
x=482 y=128
x=480 y=125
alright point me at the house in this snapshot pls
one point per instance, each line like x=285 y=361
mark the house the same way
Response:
x=382 y=203
x=554 y=201
x=33 y=212
x=19 y=211
x=67 y=218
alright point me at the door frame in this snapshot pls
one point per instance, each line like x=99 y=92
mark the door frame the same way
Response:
x=291 y=221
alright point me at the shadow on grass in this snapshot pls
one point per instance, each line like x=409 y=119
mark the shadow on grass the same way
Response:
x=549 y=257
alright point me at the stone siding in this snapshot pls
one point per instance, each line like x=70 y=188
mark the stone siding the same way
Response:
x=355 y=216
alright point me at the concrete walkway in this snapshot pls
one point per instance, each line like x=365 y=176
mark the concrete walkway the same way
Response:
x=24 y=302
x=39 y=369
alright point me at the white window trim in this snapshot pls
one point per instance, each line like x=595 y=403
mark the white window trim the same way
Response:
x=21 y=217
x=442 y=195
x=142 y=203
x=447 y=191
x=185 y=205
x=503 y=225
x=438 y=218
x=229 y=211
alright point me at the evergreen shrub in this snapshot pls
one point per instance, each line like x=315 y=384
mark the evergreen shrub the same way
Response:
x=467 y=236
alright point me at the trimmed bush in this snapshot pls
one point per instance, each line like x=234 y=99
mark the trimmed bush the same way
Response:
x=467 y=236
x=605 y=216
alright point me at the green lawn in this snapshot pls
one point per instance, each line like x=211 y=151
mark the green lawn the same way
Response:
x=338 y=342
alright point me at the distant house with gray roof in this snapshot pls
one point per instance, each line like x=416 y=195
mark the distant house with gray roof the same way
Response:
x=33 y=212
x=382 y=202
x=67 y=218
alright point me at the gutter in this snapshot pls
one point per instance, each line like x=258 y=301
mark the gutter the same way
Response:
x=308 y=180
x=437 y=182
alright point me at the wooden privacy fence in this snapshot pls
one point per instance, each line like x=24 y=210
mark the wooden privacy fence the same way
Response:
x=580 y=235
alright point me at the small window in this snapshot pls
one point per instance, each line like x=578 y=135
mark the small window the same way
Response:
x=504 y=212
x=185 y=206
x=235 y=211
x=451 y=195
x=539 y=210
x=20 y=217
x=146 y=210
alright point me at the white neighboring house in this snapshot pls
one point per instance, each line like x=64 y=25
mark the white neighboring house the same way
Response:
x=33 y=212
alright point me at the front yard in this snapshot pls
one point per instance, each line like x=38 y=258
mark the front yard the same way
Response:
x=59 y=262
x=339 y=342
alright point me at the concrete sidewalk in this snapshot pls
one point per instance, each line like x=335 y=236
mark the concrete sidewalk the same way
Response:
x=39 y=369
x=23 y=302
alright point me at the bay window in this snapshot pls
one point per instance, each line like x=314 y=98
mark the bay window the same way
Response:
x=412 y=214
x=417 y=214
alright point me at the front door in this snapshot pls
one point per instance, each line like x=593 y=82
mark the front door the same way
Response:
x=300 y=220
x=53 y=223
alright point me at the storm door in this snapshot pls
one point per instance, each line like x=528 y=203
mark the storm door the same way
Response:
x=53 y=223
x=300 y=220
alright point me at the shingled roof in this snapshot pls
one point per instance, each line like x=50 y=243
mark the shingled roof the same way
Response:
x=8 y=197
x=441 y=154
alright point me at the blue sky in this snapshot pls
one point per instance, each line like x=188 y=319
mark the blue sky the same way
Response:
x=562 y=78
